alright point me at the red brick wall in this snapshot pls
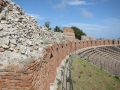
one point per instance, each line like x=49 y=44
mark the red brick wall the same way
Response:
x=70 y=38
x=115 y=41
x=110 y=41
x=39 y=74
x=106 y=42
x=93 y=43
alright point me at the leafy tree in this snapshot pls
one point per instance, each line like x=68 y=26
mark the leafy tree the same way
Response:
x=47 y=24
x=78 y=32
x=57 y=29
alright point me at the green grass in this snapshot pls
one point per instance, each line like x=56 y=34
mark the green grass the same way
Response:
x=85 y=76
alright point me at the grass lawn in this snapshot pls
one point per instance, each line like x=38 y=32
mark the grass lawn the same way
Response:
x=85 y=76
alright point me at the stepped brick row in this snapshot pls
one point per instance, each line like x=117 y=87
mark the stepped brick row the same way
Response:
x=107 y=58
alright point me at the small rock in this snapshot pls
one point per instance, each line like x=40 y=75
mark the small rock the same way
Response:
x=11 y=49
x=6 y=29
x=10 y=8
x=3 y=21
x=22 y=49
x=41 y=41
x=16 y=19
x=1 y=26
x=6 y=40
x=12 y=46
x=2 y=50
x=5 y=46
x=16 y=51
x=1 y=64
x=30 y=43
x=13 y=41
x=3 y=34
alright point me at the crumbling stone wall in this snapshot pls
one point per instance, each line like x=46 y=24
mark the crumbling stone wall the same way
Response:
x=87 y=37
x=40 y=74
x=69 y=33
x=21 y=38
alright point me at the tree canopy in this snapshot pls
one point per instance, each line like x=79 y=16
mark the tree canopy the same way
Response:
x=78 y=32
x=57 y=29
x=47 y=24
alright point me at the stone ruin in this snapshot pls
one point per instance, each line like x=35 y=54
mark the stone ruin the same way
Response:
x=21 y=38
x=87 y=38
x=69 y=33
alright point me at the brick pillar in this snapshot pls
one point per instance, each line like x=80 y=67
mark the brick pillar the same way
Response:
x=110 y=42
x=106 y=42
x=82 y=44
x=77 y=45
x=93 y=43
x=96 y=42
x=115 y=41
x=89 y=43
x=70 y=47
x=119 y=41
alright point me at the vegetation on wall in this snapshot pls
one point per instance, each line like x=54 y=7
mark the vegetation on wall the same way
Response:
x=47 y=24
x=57 y=29
x=78 y=32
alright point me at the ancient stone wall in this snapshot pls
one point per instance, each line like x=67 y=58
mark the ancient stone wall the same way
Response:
x=21 y=37
x=87 y=38
x=40 y=74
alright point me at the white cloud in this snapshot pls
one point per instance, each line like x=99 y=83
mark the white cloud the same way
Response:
x=113 y=23
x=78 y=2
x=36 y=16
x=86 y=14
x=88 y=27
x=62 y=5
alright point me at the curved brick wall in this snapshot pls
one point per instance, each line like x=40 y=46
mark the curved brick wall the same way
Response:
x=39 y=74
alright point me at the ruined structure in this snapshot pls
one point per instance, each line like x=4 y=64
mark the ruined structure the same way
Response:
x=87 y=38
x=69 y=33
x=21 y=38
x=29 y=53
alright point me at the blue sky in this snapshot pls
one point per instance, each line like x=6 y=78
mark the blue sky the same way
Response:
x=98 y=18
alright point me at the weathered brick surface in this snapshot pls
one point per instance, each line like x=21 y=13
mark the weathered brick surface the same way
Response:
x=116 y=42
x=69 y=33
x=40 y=74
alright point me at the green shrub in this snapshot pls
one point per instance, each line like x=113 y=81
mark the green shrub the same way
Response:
x=59 y=82
x=116 y=77
x=79 y=76
x=72 y=68
x=73 y=81
x=66 y=61
x=63 y=67
x=62 y=72
x=81 y=72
